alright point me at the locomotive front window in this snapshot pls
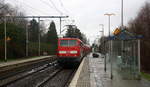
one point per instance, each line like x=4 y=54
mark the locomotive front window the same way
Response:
x=68 y=43
x=64 y=43
x=71 y=42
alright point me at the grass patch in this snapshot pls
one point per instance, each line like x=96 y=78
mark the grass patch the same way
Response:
x=145 y=75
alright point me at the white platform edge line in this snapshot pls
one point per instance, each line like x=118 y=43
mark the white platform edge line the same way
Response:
x=76 y=77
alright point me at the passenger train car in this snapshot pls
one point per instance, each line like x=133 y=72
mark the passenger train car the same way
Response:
x=71 y=50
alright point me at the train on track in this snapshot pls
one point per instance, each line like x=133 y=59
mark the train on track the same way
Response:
x=71 y=50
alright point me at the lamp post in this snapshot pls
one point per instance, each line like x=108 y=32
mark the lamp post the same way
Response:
x=110 y=44
x=103 y=46
x=109 y=15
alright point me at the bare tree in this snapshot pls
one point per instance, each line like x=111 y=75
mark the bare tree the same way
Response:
x=141 y=26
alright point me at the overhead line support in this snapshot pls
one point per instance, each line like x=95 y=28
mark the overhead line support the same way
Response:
x=5 y=28
x=34 y=16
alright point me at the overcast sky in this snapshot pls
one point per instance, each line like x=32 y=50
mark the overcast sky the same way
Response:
x=88 y=14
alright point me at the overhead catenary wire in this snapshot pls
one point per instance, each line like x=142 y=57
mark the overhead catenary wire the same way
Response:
x=66 y=10
x=62 y=5
x=56 y=7
x=52 y=5
x=40 y=11
x=47 y=4
x=32 y=12
x=30 y=6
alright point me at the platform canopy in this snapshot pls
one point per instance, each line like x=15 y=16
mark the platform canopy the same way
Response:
x=124 y=35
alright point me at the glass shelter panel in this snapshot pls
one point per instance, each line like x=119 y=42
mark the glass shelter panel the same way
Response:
x=125 y=58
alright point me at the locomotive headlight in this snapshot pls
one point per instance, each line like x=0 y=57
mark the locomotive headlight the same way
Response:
x=73 y=52
x=62 y=52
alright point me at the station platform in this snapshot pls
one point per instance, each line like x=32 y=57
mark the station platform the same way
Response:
x=21 y=62
x=91 y=74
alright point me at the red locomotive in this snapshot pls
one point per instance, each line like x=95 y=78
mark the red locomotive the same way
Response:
x=71 y=50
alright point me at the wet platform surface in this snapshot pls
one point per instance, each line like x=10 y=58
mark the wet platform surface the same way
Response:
x=93 y=75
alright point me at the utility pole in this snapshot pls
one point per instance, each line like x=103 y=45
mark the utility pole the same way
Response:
x=27 y=40
x=39 y=37
x=5 y=33
x=122 y=27
x=122 y=14
x=110 y=44
x=60 y=25
x=139 y=61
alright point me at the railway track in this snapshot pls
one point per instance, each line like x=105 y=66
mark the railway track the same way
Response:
x=52 y=75
x=48 y=75
x=12 y=78
x=59 y=78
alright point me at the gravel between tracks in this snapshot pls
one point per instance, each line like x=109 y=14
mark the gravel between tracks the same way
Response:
x=61 y=79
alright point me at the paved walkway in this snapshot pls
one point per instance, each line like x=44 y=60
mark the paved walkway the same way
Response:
x=99 y=78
